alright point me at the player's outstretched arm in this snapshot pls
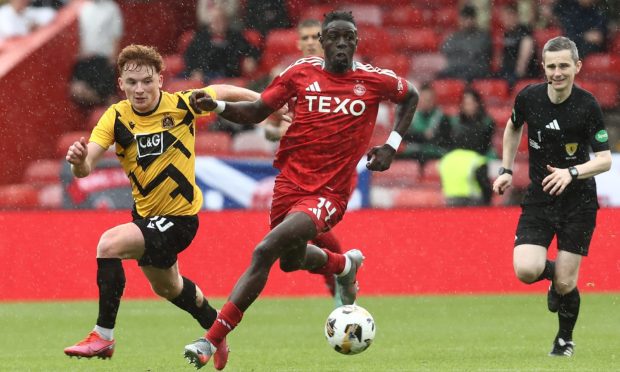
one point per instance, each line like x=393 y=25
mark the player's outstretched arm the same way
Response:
x=512 y=137
x=242 y=112
x=380 y=157
x=83 y=157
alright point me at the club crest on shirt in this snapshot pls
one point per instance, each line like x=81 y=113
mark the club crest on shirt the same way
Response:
x=571 y=148
x=167 y=122
x=359 y=89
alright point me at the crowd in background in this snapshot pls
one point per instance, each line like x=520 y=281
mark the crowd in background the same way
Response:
x=488 y=40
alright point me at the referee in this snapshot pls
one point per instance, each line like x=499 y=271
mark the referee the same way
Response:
x=564 y=122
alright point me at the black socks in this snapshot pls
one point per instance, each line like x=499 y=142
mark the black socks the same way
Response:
x=111 y=282
x=205 y=314
x=567 y=315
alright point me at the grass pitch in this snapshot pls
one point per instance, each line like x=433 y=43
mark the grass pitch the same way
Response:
x=425 y=333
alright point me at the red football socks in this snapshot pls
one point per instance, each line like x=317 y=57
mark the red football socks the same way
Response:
x=334 y=265
x=226 y=321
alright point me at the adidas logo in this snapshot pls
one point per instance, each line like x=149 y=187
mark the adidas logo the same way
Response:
x=553 y=125
x=314 y=87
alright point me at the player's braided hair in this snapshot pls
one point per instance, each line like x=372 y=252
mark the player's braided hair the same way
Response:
x=338 y=16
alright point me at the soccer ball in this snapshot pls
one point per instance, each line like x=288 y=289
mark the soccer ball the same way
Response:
x=350 y=329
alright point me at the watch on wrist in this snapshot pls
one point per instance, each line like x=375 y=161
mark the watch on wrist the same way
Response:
x=503 y=170
x=573 y=172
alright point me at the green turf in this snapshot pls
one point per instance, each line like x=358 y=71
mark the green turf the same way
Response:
x=442 y=333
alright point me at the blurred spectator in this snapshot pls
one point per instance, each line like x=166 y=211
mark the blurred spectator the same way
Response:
x=545 y=16
x=266 y=15
x=217 y=51
x=428 y=136
x=56 y=4
x=584 y=23
x=519 y=53
x=468 y=50
x=19 y=18
x=229 y=7
x=464 y=170
x=94 y=76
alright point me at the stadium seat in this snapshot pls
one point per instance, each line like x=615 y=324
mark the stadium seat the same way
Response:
x=179 y=85
x=42 y=172
x=365 y=14
x=213 y=143
x=424 y=66
x=500 y=115
x=19 y=196
x=403 y=17
x=281 y=42
x=316 y=12
x=50 y=196
x=430 y=173
x=184 y=40
x=402 y=173
x=493 y=91
x=93 y=117
x=236 y=81
x=67 y=139
x=448 y=91
x=399 y=63
x=541 y=36
x=414 y=40
x=601 y=66
x=419 y=197
x=254 y=37
x=174 y=66
x=374 y=41
x=606 y=93
x=445 y=19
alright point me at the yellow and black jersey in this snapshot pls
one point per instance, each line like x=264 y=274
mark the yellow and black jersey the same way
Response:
x=156 y=150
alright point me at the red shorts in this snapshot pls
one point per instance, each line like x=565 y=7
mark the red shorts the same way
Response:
x=325 y=208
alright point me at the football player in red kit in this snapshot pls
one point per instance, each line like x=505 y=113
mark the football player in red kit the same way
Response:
x=337 y=100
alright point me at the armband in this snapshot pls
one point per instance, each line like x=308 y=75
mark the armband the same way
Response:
x=394 y=140
x=221 y=106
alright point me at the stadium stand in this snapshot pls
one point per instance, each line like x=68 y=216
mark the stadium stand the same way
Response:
x=213 y=143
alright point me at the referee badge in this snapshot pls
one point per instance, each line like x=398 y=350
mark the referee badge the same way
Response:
x=167 y=122
x=571 y=148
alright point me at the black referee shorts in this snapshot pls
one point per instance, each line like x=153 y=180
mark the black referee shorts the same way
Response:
x=165 y=237
x=572 y=223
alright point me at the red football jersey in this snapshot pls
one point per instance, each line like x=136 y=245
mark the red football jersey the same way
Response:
x=333 y=121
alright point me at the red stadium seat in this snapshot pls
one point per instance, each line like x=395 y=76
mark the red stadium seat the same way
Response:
x=67 y=139
x=606 y=93
x=425 y=66
x=174 y=66
x=366 y=14
x=420 y=197
x=446 y=18
x=213 y=143
x=541 y=36
x=448 y=91
x=254 y=37
x=601 y=66
x=493 y=91
x=402 y=173
x=184 y=40
x=179 y=85
x=281 y=42
x=42 y=172
x=399 y=63
x=415 y=40
x=19 y=196
x=374 y=41
x=94 y=116
x=500 y=115
x=403 y=17
x=316 y=12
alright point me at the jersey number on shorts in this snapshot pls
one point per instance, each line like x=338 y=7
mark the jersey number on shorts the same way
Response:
x=160 y=223
x=326 y=205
